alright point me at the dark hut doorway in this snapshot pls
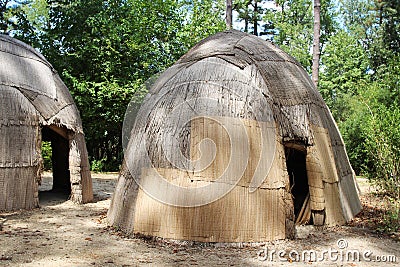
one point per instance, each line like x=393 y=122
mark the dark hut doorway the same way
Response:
x=296 y=166
x=60 y=184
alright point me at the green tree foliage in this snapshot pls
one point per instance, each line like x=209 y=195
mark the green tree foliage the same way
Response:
x=200 y=19
x=383 y=130
x=250 y=12
x=106 y=50
x=382 y=137
x=385 y=31
x=290 y=25
x=13 y=17
x=47 y=156
x=6 y=13
x=344 y=67
x=383 y=145
x=372 y=134
x=376 y=24
x=343 y=75
x=360 y=81
x=356 y=16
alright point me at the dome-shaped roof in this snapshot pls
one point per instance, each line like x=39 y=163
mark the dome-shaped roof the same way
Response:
x=282 y=81
x=25 y=71
x=35 y=105
x=210 y=155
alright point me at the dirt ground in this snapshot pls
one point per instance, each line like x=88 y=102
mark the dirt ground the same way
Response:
x=61 y=233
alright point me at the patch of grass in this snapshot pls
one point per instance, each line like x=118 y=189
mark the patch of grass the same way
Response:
x=391 y=218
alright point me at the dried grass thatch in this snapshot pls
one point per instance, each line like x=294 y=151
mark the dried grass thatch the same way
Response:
x=32 y=98
x=276 y=159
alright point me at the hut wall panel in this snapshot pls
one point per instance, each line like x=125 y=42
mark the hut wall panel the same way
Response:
x=294 y=123
x=241 y=63
x=18 y=48
x=324 y=154
x=81 y=182
x=20 y=192
x=227 y=219
x=262 y=52
x=326 y=181
x=19 y=130
x=68 y=117
x=19 y=151
x=349 y=199
x=287 y=85
x=18 y=146
x=23 y=72
x=266 y=162
x=333 y=211
x=122 y=215
x=342 y=161
x=48 y=110
x=15 y=109
x=316 y=187
x=238 y=216
x=212 y=47
x=62 y=97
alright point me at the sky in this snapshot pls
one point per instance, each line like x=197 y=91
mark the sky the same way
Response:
x=240 y=25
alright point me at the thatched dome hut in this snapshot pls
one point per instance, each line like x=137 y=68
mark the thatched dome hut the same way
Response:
x=35 y=105
x=233 y=143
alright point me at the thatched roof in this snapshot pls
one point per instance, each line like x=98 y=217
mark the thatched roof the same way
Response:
x=254 y=101
x=30 y=76
x=287 y=86
x=33 y=96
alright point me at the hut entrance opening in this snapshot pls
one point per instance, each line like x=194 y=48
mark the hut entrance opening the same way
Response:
x=296 y=166
x=58 y=138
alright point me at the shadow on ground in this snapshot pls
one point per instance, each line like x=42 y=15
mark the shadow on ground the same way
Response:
x=103 y=188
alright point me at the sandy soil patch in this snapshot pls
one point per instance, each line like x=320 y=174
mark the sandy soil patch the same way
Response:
x=61 y=233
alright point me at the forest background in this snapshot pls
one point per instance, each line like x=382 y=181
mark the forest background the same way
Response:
x=105 y=50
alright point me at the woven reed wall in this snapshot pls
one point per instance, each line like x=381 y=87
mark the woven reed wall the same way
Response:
x=228 y=82
x=32 y=95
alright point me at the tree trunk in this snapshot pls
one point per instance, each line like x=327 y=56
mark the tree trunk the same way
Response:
x=255 y=17
x=316 y=45
x=229 y=14
x=247 y=17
